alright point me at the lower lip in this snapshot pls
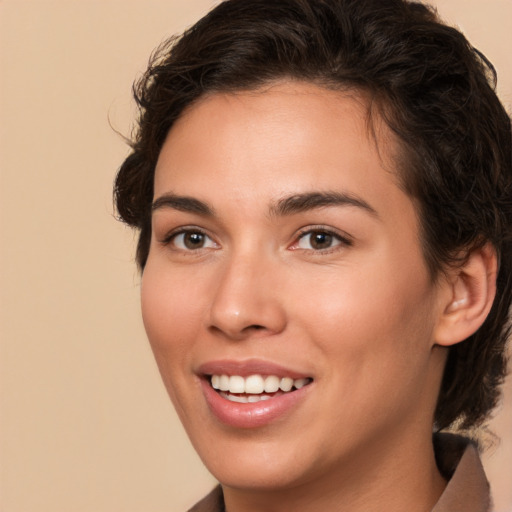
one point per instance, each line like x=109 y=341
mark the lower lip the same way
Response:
x=252 y=415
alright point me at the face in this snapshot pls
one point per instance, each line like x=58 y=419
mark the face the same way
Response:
x=285 y=296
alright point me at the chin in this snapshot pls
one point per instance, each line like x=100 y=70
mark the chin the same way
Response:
x=256 y=477
x=258 y=465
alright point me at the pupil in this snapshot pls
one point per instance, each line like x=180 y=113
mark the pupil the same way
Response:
x=321 y=240
x=194 y=240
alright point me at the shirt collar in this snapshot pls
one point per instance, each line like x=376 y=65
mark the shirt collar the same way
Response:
x=468 y=488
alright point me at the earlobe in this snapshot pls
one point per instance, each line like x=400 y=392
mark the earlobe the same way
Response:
x=469 y=297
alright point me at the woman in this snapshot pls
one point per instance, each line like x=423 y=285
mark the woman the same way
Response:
x=323 y=190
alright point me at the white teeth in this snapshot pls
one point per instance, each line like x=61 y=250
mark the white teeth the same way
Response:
x=224 y=383
x=300 y=383
x=272 y=384
x=236 y=398
x=236 y=384
x=256 y=384
x=245 y=399
x=286 y=384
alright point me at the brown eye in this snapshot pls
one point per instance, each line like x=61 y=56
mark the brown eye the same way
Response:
x=318 y=240
x=192 y=240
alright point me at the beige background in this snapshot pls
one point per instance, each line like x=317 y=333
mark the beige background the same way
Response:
x=85 y=423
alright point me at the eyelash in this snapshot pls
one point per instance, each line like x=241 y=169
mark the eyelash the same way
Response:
x=342 y=240
x=173 y=235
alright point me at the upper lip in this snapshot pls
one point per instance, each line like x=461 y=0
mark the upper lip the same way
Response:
x=248 y=367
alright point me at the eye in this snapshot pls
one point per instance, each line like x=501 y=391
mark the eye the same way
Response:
x=320 y=240
x=191 y=240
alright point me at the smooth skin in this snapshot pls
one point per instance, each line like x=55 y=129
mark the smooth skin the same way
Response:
x=247 y=263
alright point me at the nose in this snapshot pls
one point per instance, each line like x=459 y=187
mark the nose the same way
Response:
x=248 y=301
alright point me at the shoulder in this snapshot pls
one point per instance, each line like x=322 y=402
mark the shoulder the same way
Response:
x=213 y=502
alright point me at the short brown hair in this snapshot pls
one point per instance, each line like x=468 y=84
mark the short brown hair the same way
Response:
x=433 y=89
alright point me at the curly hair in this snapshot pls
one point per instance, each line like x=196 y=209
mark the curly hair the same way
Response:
x=431 y=87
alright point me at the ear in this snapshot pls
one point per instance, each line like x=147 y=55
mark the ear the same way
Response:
x=469 y=294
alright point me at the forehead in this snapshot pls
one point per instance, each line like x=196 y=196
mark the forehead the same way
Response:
x=253 y=147
x=280 y=123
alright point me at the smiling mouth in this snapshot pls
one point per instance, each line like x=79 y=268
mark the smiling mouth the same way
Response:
x=255 y=388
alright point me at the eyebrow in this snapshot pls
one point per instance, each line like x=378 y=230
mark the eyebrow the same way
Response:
x=183 y=204
x=313 y=200
x=290 y=205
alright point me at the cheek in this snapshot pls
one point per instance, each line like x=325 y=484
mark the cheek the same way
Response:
x=377 y=350
x=171 y=312
x=378 y=319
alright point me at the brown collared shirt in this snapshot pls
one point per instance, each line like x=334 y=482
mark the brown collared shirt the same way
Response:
x=459 y=463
